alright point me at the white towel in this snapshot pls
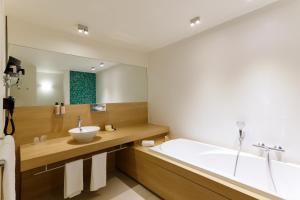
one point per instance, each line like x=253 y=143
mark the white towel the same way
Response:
x=7 y=154
x=148 y=143
x=73 y=184
x=98 y=172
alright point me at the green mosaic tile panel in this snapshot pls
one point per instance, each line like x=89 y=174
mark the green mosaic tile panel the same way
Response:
x=82 y=88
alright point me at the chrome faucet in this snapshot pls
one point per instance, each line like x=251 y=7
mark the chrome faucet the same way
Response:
x=79 y=121
x=267 y=149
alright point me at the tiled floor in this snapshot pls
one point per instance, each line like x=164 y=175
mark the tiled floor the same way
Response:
x=119 y=187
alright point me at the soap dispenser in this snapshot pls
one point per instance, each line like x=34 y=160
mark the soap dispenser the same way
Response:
x=62 y=109
x=56 y=108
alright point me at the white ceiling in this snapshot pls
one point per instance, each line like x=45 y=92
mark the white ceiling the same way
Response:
x=53 y=62
x=143 y=25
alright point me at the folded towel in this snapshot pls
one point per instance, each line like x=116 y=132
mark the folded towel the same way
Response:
x=8 y=157
x=148 y=143
x=73 y=184
x=98 y=172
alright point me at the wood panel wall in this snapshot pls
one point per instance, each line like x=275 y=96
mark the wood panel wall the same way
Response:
x=50 y=185
x=163 y=182
x=176 y=181
x=40 y=120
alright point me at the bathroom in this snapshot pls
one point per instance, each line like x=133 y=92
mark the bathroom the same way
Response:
x=175 y=100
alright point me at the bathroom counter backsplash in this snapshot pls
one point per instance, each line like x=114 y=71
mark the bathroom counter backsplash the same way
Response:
x=36 y=121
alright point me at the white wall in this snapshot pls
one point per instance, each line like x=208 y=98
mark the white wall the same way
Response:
x=32 y=91
x=2 y=57
x=66 y=87
x=25 y=34
x=248 y=69
x=122 y=83
x=55 y=93
x=26 y=94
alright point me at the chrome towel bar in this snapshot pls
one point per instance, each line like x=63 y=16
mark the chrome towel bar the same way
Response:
x=62 y=166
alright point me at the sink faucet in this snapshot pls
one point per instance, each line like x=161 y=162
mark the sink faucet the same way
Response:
x=79 y=123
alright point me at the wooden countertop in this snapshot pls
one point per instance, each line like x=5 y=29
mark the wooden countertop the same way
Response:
x=59 y=149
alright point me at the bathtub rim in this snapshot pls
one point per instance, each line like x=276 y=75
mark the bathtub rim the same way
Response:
x=226 y=181
x=233 y=150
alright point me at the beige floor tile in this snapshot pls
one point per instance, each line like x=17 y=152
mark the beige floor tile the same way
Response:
x=139 y=189
x=119 y=187
x=153 y=197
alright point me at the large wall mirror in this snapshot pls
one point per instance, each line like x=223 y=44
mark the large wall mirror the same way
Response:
x=55 y=77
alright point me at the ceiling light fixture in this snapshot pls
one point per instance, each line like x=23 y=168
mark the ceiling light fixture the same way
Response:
x=86 y=31
x=83 y=29
x=195 y=21
x=93 y=68
x=102 y=64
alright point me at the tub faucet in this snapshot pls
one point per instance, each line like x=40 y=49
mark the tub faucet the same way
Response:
x=79 y=121
x=267 y=149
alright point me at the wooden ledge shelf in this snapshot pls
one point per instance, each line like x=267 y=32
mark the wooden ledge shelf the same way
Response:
x=59 y=149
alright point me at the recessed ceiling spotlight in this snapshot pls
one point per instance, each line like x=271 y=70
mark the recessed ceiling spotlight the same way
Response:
x=93 y=68
x=102 y=64
x=86 y=31
x=80 y=28
x=83 y=29
x=195 y=21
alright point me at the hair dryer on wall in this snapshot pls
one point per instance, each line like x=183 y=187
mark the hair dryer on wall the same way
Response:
x=13 y=70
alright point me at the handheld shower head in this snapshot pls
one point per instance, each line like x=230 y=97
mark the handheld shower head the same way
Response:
x=241 y=125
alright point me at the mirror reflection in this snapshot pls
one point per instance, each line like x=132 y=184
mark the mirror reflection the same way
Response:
x=55 y=77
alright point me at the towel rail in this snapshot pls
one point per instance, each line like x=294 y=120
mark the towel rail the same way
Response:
x=62 y=166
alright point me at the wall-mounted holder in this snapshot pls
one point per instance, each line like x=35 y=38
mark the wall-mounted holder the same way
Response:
x=12 y=71
x=98 y=107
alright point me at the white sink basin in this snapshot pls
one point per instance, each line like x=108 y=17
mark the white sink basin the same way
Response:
x=85 y=134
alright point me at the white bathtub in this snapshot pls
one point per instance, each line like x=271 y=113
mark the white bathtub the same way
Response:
x=251 y=171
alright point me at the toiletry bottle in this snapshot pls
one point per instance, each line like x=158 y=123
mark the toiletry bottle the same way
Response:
x=43 y=138
x=62 y=109
x=36 y=140
x=167 y=138
x=57 y=108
